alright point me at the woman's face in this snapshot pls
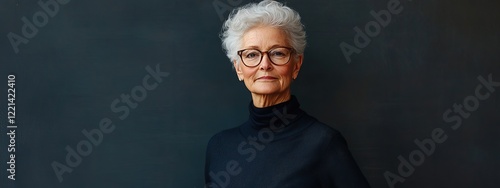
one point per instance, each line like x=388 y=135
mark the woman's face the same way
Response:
x=267 y=78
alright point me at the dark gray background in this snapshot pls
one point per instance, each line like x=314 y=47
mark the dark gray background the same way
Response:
x=396 y=90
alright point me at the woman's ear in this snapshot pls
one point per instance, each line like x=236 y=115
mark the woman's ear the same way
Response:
x=297 y=65
x=237 y=68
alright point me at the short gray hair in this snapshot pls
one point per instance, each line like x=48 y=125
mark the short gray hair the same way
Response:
x=267 y=13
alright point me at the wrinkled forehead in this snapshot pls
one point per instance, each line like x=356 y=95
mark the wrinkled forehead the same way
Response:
x=264 y=38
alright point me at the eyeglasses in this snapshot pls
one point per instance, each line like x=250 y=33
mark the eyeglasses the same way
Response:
x=253 y=57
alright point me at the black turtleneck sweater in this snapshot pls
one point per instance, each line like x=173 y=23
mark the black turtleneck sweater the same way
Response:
x=281 y=147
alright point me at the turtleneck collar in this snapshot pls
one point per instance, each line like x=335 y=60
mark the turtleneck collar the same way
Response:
x=280 y=118
x=284 y=113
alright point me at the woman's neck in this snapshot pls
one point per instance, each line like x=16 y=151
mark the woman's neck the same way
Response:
x=262 y=101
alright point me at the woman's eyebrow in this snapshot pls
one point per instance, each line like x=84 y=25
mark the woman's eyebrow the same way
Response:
x=258 y=48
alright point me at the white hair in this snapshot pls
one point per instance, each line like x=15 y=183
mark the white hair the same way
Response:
x=265 y=13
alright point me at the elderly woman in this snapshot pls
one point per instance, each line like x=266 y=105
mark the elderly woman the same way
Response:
x=280 y=145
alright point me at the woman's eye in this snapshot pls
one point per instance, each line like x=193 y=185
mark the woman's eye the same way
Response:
x=278 y=54
x=251 y=55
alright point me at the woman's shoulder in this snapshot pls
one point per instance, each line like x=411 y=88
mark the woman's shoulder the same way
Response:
x=324 y=132
x=224 y=135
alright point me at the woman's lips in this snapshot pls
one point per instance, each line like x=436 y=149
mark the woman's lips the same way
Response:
x=266 y=78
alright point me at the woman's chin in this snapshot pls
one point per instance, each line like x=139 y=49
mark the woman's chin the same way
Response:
x=266 y=90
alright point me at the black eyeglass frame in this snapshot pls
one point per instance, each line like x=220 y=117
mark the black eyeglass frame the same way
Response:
x=292 y=51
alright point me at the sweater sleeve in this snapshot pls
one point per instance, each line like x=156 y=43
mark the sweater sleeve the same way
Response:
x=341 y=168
